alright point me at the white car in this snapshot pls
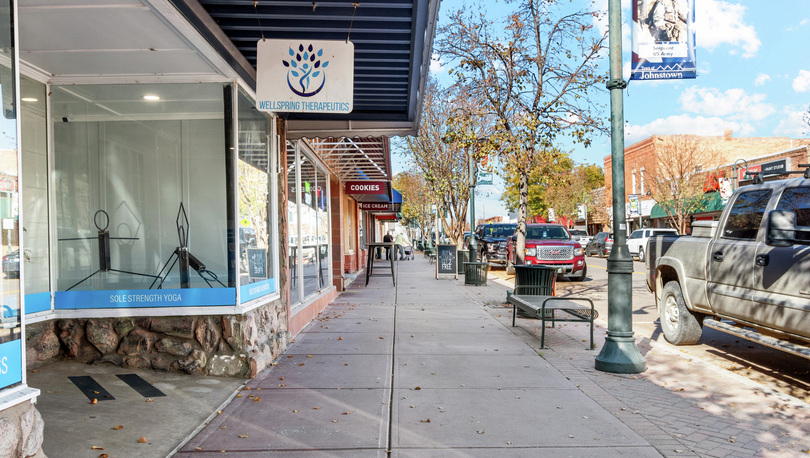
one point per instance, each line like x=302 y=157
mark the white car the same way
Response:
x=580 y=236
x=637 y=241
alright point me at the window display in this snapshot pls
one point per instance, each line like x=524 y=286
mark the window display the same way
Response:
x=140 y=196
x=257 y=275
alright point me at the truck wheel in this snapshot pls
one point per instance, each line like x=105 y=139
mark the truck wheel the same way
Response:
x=641 y=254
x=580 y=277
x=679 y=325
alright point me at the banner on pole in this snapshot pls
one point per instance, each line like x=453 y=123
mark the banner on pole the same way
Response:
x=580 y=211
x=485 y=178
x=663 y=40
x=634 y=210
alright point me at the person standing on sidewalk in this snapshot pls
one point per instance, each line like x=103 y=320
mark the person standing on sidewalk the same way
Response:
x=399 y=246
x=387 y=238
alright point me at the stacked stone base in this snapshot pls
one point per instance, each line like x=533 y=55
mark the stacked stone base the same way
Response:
x=21 y=432
x=224 y=346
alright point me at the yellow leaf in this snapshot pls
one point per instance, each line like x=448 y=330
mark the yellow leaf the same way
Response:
x=94 y=401
x=118 y=427
x=95 y=447
x=142 y=440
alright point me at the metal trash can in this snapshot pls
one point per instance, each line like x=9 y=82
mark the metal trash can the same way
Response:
x=463 y=257
x=475 y=273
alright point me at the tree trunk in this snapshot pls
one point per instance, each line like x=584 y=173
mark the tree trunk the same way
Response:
x=523 y=206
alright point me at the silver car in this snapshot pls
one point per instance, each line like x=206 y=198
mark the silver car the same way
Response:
x=580 y=236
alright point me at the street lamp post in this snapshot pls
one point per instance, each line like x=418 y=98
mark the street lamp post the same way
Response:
x=736 y=176
x=619 y=354
x=473 y=246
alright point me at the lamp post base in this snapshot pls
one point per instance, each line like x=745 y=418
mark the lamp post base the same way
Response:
x=620 y=356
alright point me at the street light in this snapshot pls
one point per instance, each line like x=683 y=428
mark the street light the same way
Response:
x=619 y=354
x=737 y=177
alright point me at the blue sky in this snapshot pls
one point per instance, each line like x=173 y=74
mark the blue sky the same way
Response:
x=753 y=77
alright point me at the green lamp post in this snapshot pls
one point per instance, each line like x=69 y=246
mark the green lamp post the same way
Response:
x=619 y=354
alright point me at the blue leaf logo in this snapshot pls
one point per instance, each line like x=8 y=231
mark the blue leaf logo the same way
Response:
x=306 y=82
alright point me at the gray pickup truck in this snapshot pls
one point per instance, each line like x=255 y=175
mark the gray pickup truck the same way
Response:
x=747 y=274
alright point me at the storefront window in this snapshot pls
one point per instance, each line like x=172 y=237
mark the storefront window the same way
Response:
x=310 y=187
x=256 y=234
x=292 y=222
x=34 y=154
x=140 y=196
x=10 y=330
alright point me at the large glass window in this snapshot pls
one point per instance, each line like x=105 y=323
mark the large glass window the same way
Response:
x=34 y=155
x=292 y=222
x=140 y=194
x=11 y=325
x=256 y=234
x=309 y=229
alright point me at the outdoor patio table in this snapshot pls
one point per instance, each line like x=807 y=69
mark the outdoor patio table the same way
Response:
x=370 y=260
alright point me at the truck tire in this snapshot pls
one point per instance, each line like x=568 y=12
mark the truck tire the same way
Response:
x=679 y=325
x=641 y=254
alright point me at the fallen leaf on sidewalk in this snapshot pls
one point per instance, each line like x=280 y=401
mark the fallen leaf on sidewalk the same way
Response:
x=425 y=421
x=104 y=455
x=301 y=364
x=142 y=440
x=347 y=413
x=480 y=431
x=150 y=400
x=96 y=447
x=281 y=378
x=340 y=338
x=334 y=421
x=316 y=408
x=243 y=436
x=94 y=401
x=118 y=427
x=417 y=388
x=52 y=392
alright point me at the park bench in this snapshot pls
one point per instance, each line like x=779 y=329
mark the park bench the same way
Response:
x=533 y=295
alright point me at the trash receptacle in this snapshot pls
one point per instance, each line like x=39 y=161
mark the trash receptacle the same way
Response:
x=463 y=256
x=475 y=273
x=535 y=280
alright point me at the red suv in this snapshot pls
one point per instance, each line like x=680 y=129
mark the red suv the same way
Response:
x=550 y=245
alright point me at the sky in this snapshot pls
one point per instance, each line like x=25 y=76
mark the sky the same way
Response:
x=753 y=78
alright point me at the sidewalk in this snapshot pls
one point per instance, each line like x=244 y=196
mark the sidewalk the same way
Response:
x=433 y=368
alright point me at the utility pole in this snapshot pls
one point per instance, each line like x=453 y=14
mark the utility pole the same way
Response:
x=619 y=354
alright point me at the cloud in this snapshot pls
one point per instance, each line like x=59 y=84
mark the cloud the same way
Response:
x=436 y=65
x=805 y=21
x=685 y=124
x=719 y=22
x=802 y=82
x=735 y=104
x=761 y=78
x=792 y=125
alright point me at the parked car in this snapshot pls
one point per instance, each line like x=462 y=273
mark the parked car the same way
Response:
x=491 y=240
x=637 y=242
x=580 y=236
x=550 y=245
x=11 y=264
x=600 y=245
x=750 y=268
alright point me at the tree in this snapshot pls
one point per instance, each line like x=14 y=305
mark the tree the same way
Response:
x=444 y=162
x=415 y=199
x=675 y=177
x=536 y=73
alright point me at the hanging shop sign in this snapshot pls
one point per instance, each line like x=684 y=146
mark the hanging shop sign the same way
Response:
x=365 y=187
x=768 y=168
x=376 y=206
x=551 y=216
x=663 y=40
x=391 y=217
x=302 y=76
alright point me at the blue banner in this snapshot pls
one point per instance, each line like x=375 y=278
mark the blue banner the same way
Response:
x=663 y=40
x=258 y=289
x=37 y=302
x=139 y=298
x=10 y=363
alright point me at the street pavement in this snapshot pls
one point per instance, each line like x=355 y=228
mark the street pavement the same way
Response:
x=433 y=368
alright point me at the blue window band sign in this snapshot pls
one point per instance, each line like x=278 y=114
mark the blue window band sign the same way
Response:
x=10 y=363
x=141 y=298
x=255 y=290
x=39 y=302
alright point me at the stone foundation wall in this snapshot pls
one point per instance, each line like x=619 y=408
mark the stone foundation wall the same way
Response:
x=21 y=432
x=220 y=345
